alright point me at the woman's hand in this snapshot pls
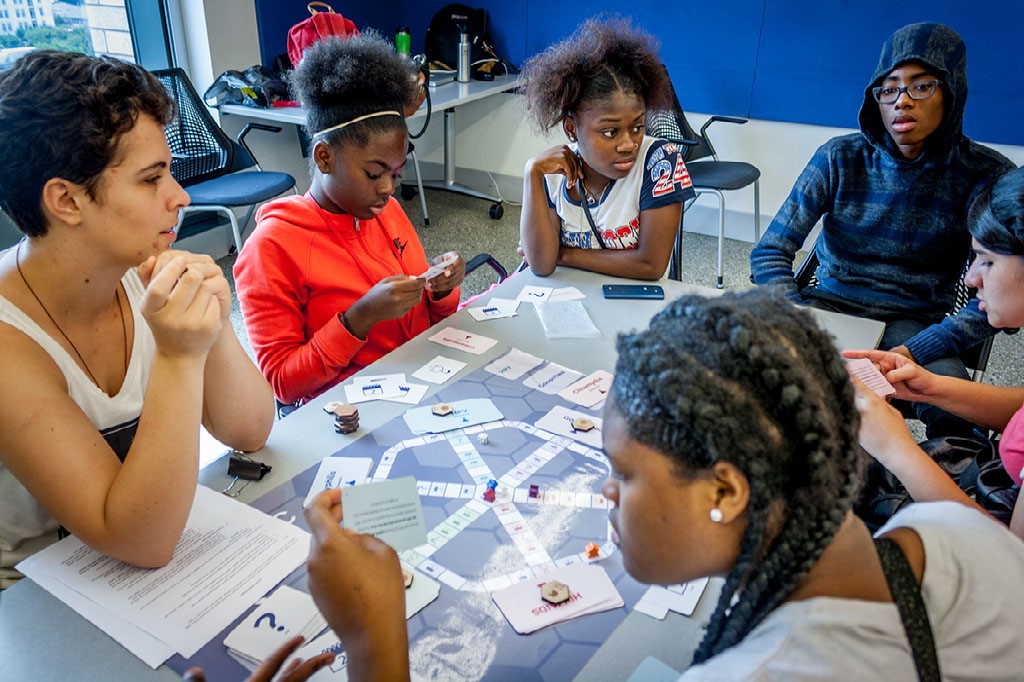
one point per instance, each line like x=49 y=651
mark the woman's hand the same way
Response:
x=450 y=278
x=558 y=160
x=883 y=430
x=388 y=299
x=356 y=582
x=184 y=314
x=297 y=671
x=213 y=277
x=911 y=381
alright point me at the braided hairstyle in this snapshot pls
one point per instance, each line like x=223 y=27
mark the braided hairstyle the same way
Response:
x=340 y=79
x=996 y=219
x=602 y=57
x=62 y=115
x=750 y=380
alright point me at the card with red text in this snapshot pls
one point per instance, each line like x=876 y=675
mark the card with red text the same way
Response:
x=590 y=390
x=590 y=591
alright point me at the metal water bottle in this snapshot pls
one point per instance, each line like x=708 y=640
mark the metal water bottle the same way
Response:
x=463 y=72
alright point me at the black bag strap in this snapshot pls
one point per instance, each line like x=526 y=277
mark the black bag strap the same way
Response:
x=907 y=595
x=590 y=218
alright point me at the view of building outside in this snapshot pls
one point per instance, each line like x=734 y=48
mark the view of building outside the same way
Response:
x=96 y=27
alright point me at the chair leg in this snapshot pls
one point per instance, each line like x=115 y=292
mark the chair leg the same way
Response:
x=675 y=263
x=227 y=212
x=721 y=232
x=757 y=211
x=419 y=186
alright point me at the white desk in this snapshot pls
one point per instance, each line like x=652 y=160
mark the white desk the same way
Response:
x=41 y=639
x=445 y=97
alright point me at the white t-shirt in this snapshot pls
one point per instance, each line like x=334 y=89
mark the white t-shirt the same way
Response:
x=25 y=526
x=661 y=180
x=973 y=589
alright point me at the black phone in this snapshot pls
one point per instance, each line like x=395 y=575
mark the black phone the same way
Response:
x=652 y=291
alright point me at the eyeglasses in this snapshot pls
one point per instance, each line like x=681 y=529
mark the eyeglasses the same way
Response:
x=888 y=94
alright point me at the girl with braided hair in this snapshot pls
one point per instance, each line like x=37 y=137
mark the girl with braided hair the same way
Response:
x=330 y=281
x=733 y=438
x=996 y=222
x=610 y=200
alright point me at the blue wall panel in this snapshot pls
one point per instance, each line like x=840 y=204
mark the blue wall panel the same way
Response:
x=781 y=60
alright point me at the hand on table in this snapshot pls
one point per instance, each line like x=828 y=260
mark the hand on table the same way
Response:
x=297 y=671
x=911 y=381
x=388 y=299
x=450 y=278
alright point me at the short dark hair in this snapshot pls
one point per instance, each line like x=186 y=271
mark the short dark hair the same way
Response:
x=62 y=115
x=603 y=56
x=340 y=79
x=750 y=380
x=996 y=218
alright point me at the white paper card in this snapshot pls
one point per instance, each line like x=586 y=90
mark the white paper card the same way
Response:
x=551 y=378
x=389 y=510
x=412 y=394
x=513 y=364
x=566 y=294
x=590 y=588
x=285 y=613
x=362 y=390
x=495 y=309
x=335 y=472
x=439 y=370
x=590 y=390
x=559 y=421
x=464 y=341
x=534 y=294
x=435 y=270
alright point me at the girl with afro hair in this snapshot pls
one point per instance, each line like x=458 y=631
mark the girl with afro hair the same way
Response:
x=609 y=201
x=330 y=281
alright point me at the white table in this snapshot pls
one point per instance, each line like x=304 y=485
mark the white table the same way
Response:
x=445 y=97
x=41 y=639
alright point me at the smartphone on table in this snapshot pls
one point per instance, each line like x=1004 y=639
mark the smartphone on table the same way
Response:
x=651 y=291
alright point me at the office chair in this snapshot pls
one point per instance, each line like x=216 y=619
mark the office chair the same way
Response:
x=205 y=161
x=708 y=177
x=975 y=358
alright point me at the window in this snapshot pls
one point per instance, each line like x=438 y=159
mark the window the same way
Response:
x=133 y=30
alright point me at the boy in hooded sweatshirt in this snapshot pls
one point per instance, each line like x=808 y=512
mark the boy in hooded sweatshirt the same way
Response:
x=331 y=281
x=893 y=200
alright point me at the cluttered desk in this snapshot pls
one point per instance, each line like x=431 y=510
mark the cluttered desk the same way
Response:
x=508 y=479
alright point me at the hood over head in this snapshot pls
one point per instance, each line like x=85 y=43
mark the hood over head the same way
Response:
x=940 y=49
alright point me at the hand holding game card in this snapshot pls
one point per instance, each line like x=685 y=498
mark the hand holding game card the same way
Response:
x=445 y=272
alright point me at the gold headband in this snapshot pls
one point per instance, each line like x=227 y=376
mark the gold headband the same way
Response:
x=357 y=119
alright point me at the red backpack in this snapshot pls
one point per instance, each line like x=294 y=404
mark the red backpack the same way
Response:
x=319 y=25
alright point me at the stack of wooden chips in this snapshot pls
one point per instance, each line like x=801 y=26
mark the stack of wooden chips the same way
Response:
x=346 y=419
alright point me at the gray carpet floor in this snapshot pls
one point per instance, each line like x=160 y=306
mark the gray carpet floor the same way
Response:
x=462 y=223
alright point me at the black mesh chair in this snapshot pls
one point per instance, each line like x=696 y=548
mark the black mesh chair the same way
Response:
x=975 y=358
x=712 y=176
x=205 y=161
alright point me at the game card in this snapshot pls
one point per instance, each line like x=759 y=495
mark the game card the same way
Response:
x=513 y=364
x=551 y=378
x=363 y=389
x=559 y=421
x=435 y=270
x=566 y=294
x=494 y=309
x=285 y=613
x=534 y=294
x=464 y=413
x=388 y=510
x=439 y=370
x=865 y=370
x=412 y=394
x=335 y=472
x=590 y=390
x=590 y=591
x=456 y=338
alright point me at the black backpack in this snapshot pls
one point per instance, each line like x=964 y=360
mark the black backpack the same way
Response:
x=442 y=43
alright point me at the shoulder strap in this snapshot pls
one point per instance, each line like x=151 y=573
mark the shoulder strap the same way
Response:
x=907 y=595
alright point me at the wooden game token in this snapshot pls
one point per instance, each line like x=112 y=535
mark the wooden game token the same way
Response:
x=332 y=405
x=407 y=578
x=343 y=411
x=554 y=592
x=345 y=430
x=582 y=424
x=441 y=409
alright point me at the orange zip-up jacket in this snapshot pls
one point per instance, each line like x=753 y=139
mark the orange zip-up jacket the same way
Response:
x=301 y=268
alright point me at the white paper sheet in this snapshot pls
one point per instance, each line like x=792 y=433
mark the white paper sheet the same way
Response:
x=229 y=556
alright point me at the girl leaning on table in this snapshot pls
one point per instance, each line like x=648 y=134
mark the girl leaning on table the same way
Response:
x=732 y=436
x=116 y=348
x=996 y=222
x=610 y=200
x=329 y=281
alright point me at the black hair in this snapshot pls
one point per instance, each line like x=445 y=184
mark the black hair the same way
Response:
x=603 y=56
x=996 y=218
x=340 y=79
x=750 y=380
x=62 y=115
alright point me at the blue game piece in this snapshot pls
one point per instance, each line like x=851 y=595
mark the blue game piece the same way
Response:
x=492 y=484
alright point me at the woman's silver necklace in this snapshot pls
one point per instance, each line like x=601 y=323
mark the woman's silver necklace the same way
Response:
x=117 y=297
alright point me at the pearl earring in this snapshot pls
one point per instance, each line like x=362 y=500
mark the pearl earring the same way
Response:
x=716 y=515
